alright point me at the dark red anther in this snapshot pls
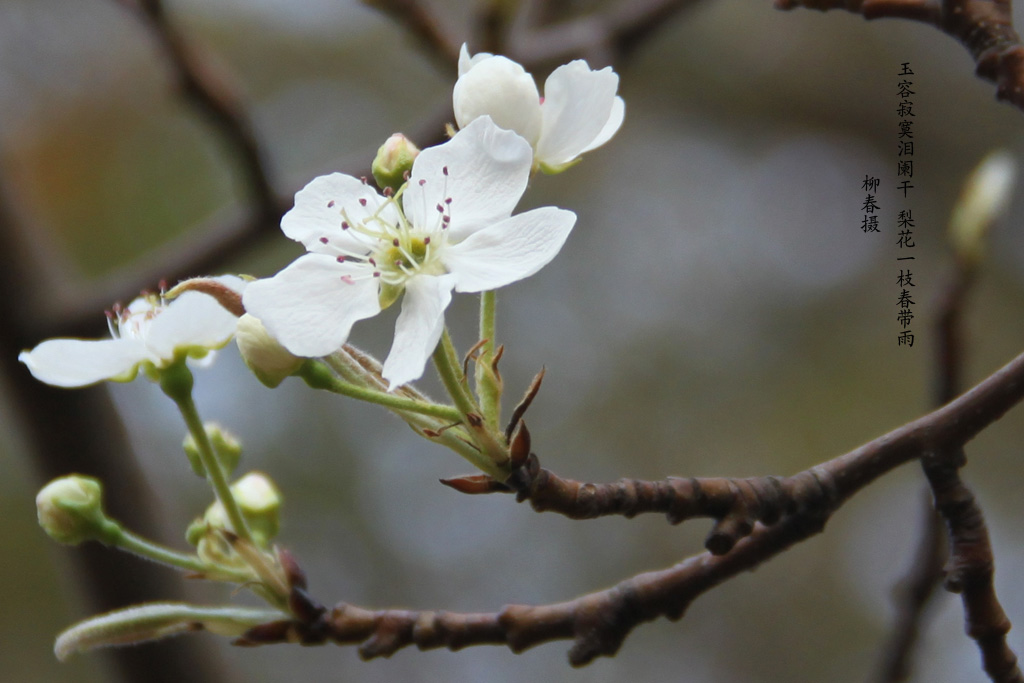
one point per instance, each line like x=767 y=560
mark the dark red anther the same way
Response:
x=423 y=181
x=362 y=200
x=444 y=170
x=395 y=242
x=324 y=240
x=344 y=225
x=330 y=204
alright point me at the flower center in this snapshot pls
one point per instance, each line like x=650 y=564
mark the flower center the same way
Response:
x=133 y=321
x=397 y=249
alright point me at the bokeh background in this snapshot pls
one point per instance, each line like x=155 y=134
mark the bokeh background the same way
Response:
x=717 y=311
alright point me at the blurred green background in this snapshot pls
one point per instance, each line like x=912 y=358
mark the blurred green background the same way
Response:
x=717 y=311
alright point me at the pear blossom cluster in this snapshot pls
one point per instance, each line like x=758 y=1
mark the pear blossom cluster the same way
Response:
x=444 y=221
x=450 y=228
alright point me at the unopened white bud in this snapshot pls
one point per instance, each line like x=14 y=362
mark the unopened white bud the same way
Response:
x=268 y=360
x=70 y=510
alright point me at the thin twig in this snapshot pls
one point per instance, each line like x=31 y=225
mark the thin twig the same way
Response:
x=984 y=27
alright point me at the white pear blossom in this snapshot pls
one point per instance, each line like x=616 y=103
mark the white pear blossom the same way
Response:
x=450 y=228
x=578 y=112
x=150 y=331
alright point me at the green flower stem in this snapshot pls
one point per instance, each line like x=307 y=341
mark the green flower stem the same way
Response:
x=132 y=543
x=491 y=446
x=318 y=376
x=141 y=547
x=488 y=387
x=176 y=382
x=446 y=360
x=438 y=420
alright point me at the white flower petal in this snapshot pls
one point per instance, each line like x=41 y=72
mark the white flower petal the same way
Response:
x=578 y=102
x=611 y=127
x=487 y=172
x=496 y=86
x=466 y=62
x=319 y=210
x=509 y=251
x=418 y=328
x=311 y=305
x=79 y=362
x=192 y=320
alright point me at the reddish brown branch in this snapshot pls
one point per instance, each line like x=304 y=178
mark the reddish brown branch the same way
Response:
x=598 y=623
x=971 y=563
x=737 y=504
x=984 y=27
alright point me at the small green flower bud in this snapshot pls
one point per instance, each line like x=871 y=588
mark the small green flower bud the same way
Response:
x=71 y=510
x=260 y=503
x=226 y=448
x=268 y=360
x=394 y=160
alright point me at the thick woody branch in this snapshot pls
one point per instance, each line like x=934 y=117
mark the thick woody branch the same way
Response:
x=737 y=504
x=971 y=564
x=598 y=623
x=914 y=593
x=984 y=27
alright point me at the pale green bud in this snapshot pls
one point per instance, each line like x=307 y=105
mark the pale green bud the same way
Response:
x=260 y=503
x=71 y=510
x=268 y=360
x=394 y=160
x=985 y=197
x=226 y=448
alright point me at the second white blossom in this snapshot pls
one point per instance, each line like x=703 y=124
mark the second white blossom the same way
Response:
x=580 y=110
